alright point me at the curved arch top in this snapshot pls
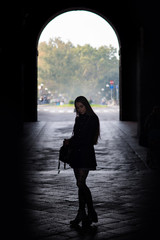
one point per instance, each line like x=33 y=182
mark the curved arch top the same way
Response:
x=62 y=15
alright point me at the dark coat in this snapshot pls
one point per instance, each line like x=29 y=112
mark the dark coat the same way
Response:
x=83 y=154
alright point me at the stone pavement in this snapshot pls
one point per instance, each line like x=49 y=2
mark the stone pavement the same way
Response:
x=124 y=189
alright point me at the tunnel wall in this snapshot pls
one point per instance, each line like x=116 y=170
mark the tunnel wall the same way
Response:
x=139 y=56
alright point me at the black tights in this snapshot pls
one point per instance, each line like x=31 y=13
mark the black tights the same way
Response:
x=84 y=193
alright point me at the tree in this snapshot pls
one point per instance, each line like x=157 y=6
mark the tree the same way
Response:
x=73 y=71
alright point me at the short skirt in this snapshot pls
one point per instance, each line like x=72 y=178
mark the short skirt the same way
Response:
x=83 y=157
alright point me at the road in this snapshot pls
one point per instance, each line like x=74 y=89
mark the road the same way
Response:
x=124 y=190
x=49 y=113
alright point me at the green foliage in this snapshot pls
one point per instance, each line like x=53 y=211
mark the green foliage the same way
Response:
x=71 y=102
x=73 y=71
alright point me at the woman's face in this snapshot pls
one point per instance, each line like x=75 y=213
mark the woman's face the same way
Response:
x=80 y=108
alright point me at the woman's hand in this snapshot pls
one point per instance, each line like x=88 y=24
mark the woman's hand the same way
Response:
x=66 y=142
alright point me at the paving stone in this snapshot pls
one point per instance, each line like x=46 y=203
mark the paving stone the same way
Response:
x=123 y=187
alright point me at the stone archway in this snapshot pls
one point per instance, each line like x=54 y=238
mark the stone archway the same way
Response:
x=107 y=22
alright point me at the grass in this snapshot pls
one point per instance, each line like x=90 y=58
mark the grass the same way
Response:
x=72 y=105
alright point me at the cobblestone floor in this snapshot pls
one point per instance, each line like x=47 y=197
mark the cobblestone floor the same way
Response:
x=123 y=187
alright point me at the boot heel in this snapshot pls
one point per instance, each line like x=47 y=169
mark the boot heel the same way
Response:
x=86 y=222
x=93 y=217
x=80 y=216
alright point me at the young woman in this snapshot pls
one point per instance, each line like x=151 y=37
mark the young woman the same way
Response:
x=85 y=135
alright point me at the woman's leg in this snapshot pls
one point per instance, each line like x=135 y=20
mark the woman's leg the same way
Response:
x=85 y=193
x=81 y=176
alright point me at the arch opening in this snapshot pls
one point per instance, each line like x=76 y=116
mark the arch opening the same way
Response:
x=78 y=55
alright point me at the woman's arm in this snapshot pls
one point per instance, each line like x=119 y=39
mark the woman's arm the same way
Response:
x=70 y=140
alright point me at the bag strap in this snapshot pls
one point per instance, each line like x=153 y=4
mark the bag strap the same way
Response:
x=59 y=166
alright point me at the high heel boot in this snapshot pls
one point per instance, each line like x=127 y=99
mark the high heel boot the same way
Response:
x=92 y=216
x=81 y=212
x=81 y=216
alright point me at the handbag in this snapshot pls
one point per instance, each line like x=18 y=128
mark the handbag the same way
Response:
x=64 y=156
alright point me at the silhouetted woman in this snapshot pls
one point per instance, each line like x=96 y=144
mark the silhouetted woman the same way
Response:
x=85 y=135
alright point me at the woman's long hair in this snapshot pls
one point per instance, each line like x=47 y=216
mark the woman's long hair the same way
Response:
x=89 y=112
